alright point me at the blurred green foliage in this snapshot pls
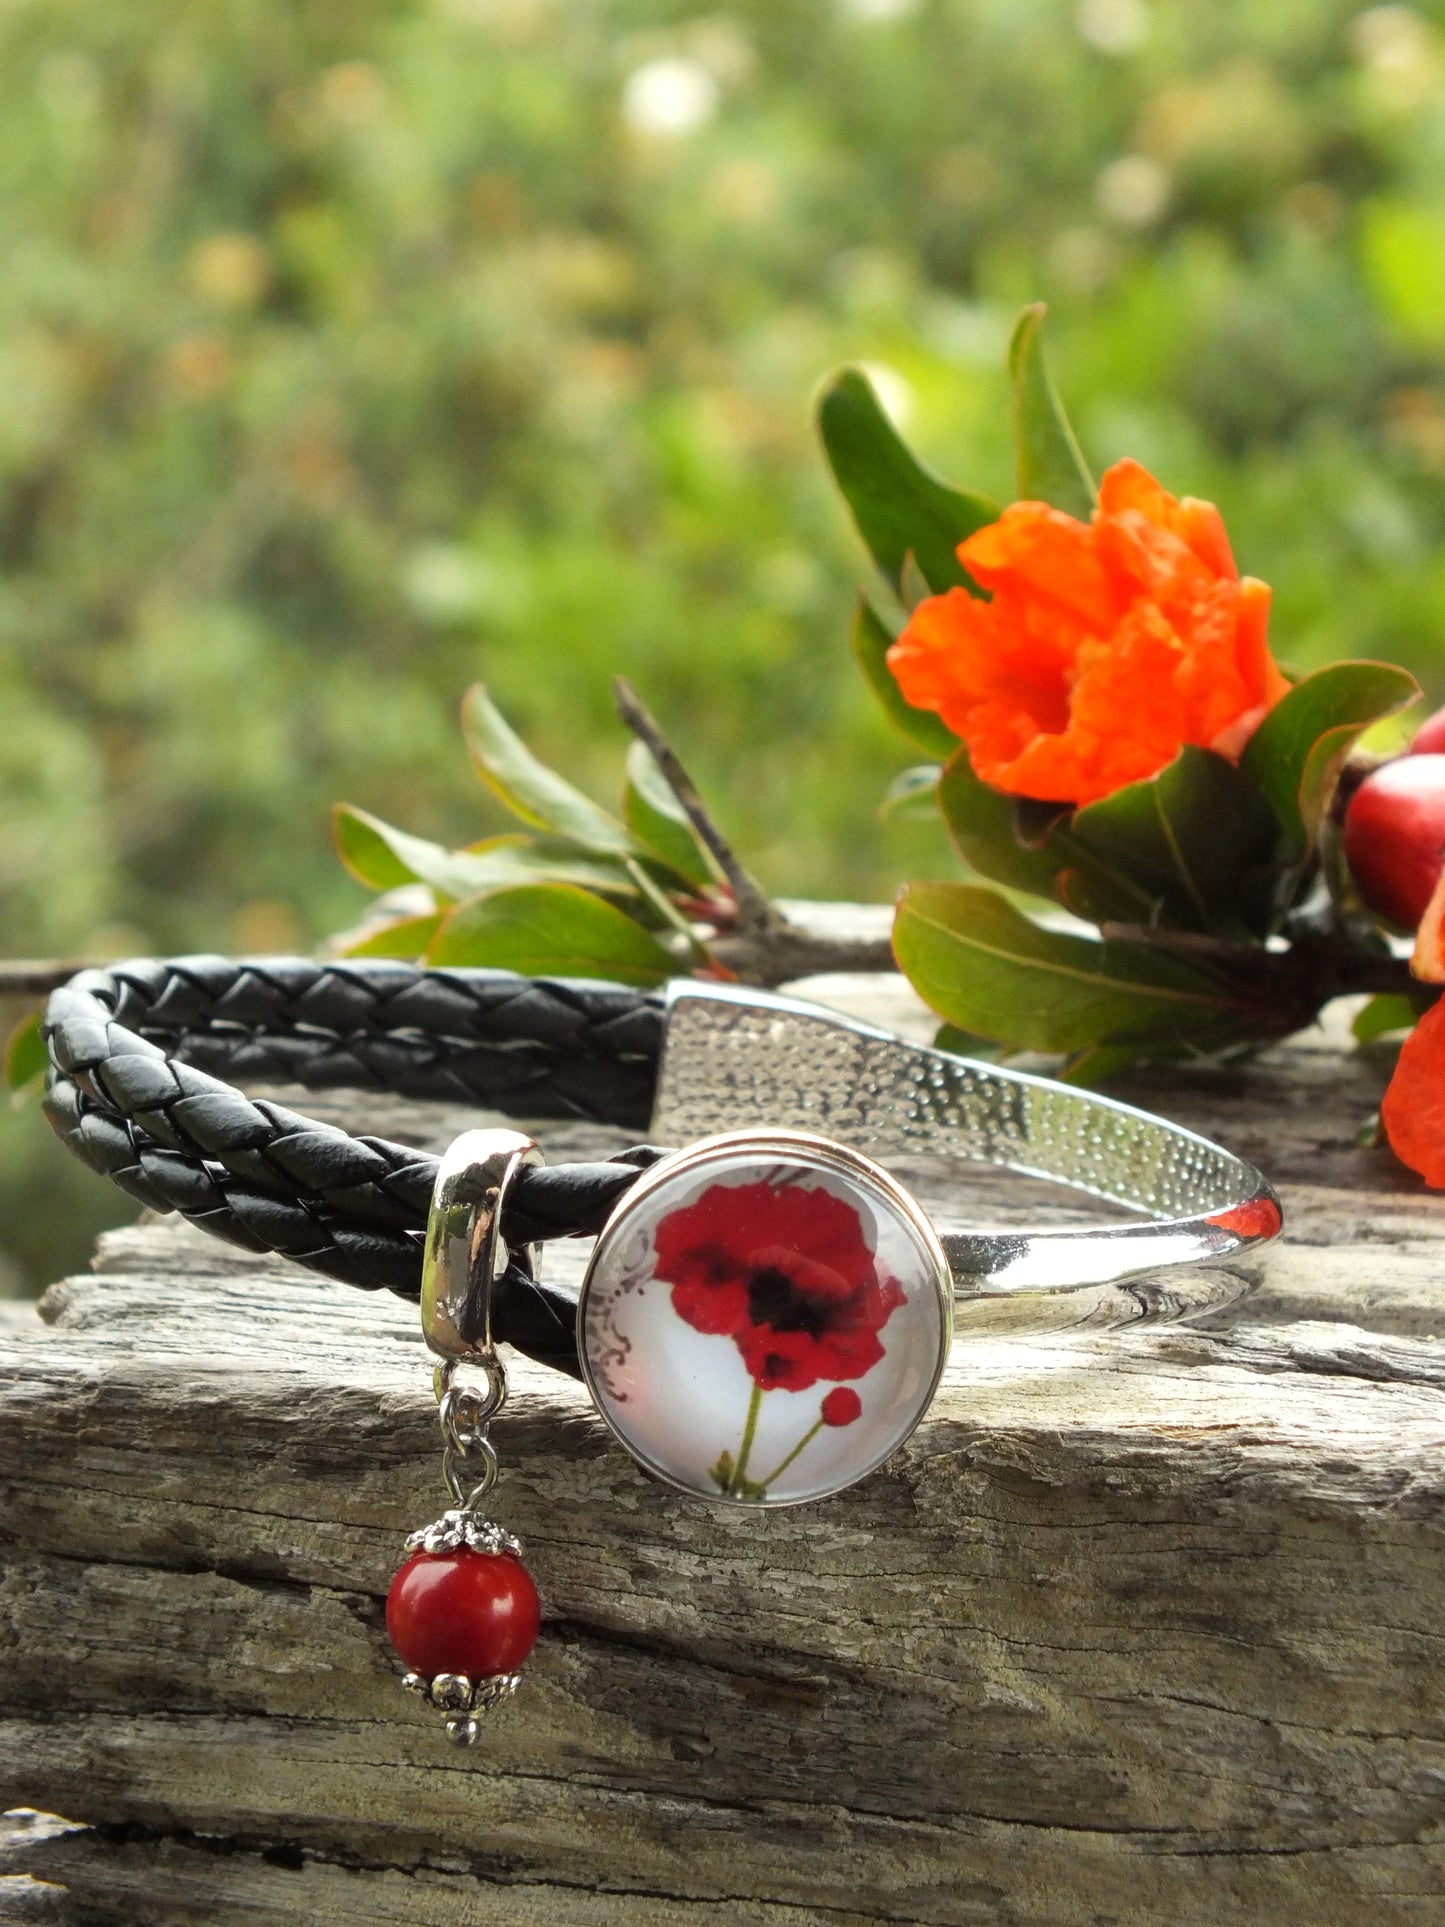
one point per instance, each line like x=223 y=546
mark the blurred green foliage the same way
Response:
x=349 y=352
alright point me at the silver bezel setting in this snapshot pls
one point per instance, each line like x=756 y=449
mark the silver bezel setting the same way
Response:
x=770 y=1147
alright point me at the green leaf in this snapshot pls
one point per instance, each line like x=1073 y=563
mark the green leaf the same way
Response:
x=871 y=643
x=1051 y=466
x=532 y=791
x=966 y=1043
x=403 y=937
x=384 y=858
x=375 y=853
x=993 y=837
x=912 y=589
x=1384 y=1015
x=1198 y=838
x=1035 y=821
x=984 y=967
x=980 y=820
x=25 y=1055
x=551 y=930
x=658 y=820
x=724 y=1474
x=1370 y=1133
x=1296 y=754
x=912 y=791
x=1099 y=1064
x=899 y=506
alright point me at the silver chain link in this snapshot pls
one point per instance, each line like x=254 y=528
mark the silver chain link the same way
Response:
x=469 y=1459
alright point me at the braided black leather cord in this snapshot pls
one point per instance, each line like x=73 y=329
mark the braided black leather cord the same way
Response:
x=130 y=1093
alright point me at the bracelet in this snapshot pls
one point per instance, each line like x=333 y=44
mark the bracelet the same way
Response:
x=128 y=1091
x=767 y=1311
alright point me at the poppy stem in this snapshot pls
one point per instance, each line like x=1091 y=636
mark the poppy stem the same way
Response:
x=755 y=1405
x=803 y=1443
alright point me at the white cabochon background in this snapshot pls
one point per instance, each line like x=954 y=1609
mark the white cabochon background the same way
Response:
x=678 y=1398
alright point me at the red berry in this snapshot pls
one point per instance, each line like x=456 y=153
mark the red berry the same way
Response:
x=1430 y=736
x=842 y=1407
x=463 y=1612
x=1395 y=836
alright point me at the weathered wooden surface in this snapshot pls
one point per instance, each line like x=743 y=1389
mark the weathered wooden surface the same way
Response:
x=1140 y=1627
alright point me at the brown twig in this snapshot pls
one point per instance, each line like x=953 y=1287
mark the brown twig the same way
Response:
x=1304 y=977
x=1315 y=970
x=30 y=977
x=767 y=958
x=756 y=912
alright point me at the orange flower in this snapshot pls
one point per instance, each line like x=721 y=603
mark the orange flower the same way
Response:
x=1105 y=649
x=1413 y=1112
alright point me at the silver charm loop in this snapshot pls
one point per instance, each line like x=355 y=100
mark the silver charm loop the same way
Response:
x=465 y=1253
x=468 y=1492
x=465 y=1411
x=468 y=1409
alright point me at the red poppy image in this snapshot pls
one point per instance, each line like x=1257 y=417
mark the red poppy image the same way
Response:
x=784 y=1270
x=842 y=1406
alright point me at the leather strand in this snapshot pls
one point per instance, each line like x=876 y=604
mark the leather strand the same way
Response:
x=131 y=1092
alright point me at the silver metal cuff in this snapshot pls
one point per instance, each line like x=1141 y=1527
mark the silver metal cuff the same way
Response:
x=743 y=1059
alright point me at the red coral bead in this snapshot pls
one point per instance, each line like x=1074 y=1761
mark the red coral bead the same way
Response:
x=1395 y=836
x=463 y=1612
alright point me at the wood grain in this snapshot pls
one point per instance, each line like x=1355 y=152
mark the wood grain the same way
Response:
x=1140 y=1627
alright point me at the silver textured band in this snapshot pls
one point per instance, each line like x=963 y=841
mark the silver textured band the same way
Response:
x=742 y=1058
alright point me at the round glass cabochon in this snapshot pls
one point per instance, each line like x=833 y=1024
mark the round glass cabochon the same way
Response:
x=765 y=1323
